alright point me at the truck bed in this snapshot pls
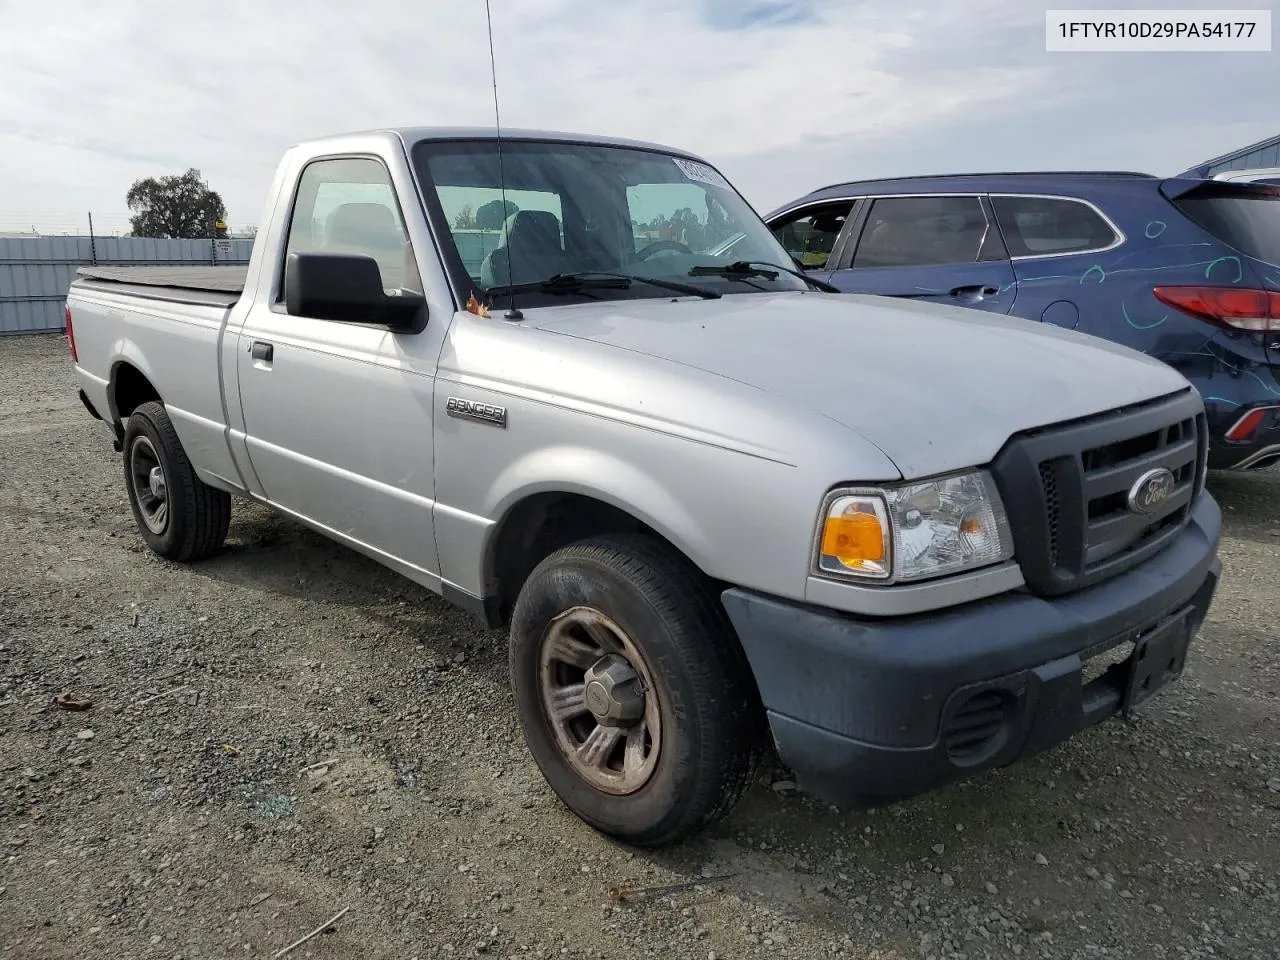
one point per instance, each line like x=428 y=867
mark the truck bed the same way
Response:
x=206 y=285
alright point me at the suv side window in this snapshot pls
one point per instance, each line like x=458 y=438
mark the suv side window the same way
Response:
x=349 y=206
x=923 y=231
x=810 y=234
x=1042 y=226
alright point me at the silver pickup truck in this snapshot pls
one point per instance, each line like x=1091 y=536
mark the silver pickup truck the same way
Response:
x=715 y=505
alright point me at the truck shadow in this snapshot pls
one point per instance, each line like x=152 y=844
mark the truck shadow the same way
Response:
x=272 y=554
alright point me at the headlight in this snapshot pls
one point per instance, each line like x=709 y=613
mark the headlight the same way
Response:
x=923 y=529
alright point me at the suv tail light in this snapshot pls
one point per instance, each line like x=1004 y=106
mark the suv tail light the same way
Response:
x=71 y=334
x=1248 y=424
x=1257 y=311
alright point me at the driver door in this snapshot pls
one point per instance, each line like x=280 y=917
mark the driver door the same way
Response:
x=338 y=416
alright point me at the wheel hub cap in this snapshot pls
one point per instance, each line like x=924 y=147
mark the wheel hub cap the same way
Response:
x=599 y=698
x=150 y=491
x=156 y=482
x=613 y=691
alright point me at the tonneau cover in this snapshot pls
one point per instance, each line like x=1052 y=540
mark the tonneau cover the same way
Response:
x=228 y=279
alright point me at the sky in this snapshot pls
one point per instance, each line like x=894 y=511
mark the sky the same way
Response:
x=781 y=95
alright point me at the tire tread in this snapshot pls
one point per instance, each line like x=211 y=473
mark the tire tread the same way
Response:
x=206 y=510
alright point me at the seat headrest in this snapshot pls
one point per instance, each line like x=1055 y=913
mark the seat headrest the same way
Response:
x=364 y=225
x=532 y=228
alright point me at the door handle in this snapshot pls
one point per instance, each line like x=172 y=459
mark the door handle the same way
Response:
x=975 y=292
x=262 y=351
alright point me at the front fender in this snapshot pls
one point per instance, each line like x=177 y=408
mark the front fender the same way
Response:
x=610 y=479
x=467 y=540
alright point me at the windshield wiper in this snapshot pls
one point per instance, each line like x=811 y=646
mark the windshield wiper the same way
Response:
x=570 y=283
x=745 y=269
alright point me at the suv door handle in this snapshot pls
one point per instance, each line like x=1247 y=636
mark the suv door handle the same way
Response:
x=262 y=351
x=975 y=292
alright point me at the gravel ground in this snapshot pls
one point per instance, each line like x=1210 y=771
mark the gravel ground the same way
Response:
x=288 y=731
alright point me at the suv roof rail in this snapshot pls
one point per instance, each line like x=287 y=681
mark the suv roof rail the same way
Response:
x=980 y=174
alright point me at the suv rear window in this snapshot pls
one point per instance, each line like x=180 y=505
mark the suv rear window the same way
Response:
x=1244 y=217
x=1043 y=226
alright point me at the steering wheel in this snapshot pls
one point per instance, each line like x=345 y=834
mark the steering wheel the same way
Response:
x=644 y=253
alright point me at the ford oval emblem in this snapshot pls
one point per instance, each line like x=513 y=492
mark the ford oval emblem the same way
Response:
x=1150 y=490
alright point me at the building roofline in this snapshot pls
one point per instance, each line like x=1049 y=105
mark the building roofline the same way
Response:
x=1239 y=152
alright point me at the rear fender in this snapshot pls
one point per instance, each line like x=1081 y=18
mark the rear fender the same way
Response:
x=126 y=353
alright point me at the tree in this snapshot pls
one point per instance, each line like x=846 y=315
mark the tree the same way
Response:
x=491 y=217
x=465 y=220
x=174 y=207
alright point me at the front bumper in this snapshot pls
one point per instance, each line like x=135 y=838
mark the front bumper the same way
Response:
x=869 y=710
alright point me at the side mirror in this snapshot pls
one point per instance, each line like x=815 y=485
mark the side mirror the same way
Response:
x=330 y=286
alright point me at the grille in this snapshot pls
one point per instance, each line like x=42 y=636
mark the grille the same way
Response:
x=1066 y=490
x=972 y=730
x=1112 y=529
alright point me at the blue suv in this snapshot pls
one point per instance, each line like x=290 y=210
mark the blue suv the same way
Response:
x=1185 y=270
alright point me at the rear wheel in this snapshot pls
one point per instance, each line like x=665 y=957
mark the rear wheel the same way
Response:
x=635 y=697
x=180 y=516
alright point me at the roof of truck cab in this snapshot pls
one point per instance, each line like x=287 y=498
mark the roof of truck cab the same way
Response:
x=1029 y=181
x=412 y=135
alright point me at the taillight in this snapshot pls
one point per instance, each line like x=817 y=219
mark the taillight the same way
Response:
x=1254 y=310
x=1245 y=427
x=71 y=334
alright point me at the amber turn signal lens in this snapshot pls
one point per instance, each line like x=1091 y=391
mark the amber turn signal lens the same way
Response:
x=854 y=539
x=854 y=536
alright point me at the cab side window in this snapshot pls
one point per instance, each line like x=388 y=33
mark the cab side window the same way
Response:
x=348 y=206
x=810 y=235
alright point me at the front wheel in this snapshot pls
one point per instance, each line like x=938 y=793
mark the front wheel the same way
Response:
x=635 y=697
x=180 y=516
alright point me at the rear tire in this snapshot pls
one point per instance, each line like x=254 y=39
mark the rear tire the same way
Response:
x=675 y=750
x=180 y=516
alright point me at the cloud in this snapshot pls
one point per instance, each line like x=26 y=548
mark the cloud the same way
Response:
x=782 y=94
x=743 y=14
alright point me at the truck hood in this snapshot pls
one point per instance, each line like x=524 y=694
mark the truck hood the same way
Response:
x=934 y=387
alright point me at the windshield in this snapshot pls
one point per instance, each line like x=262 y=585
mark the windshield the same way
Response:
x=581 y=208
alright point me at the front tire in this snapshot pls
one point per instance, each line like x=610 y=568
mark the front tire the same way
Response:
x=635 y=697
x=180 y=516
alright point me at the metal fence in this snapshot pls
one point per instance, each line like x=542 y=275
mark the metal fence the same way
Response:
x=35 y=272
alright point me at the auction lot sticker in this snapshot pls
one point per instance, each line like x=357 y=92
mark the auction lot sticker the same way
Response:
x=700 y=171
x=1150 y=31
